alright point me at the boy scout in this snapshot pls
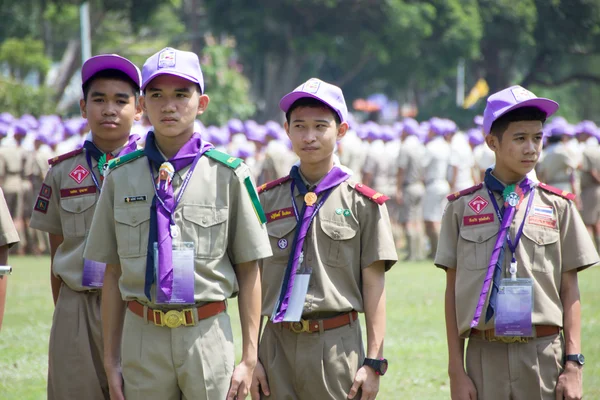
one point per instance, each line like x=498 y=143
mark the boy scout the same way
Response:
x=178 y=237
x=511 y=248
x=335 y=237
x=590 y=182
x=64 y=208
x=8 y=237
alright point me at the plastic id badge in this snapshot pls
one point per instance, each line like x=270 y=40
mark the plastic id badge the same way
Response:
x=183 y=274
x=514 y=307
x=93 y=273
x=298 y=296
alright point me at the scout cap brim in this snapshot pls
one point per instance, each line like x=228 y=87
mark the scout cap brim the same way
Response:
x=547 y=106
x=110 y=61
x=290 y=98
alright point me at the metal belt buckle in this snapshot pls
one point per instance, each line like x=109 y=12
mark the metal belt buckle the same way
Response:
x=173 y=318
x=512 y=339
x=300 y=326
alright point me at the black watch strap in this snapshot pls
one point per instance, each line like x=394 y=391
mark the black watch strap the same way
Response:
x=578 y=358
x=380 y=366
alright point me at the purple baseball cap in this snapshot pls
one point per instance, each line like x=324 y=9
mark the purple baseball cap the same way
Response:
x=475 y=136
x=588 y=127
x=411 y=126
x=109 y=61
x=322 y=91
x=169 y=61
x=510 y=99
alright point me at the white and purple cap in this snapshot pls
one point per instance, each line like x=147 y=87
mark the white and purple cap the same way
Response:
x=169 y=61
x=319 y=90
x=510 y=99
x=110 y=61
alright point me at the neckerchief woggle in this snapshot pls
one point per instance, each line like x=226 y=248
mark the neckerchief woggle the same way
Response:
x=162 y=220
x=91 y=150
x=513 y=196
x=309 y=211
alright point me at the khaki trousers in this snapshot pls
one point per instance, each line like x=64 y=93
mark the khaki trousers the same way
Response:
x=311 y=366
x=75 y=367
x=516 y=371
x=187 y=363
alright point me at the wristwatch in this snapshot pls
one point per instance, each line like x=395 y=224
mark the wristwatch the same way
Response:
x=578 y=358
x=380 y=366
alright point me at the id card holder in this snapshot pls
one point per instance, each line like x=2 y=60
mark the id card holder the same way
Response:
x=183 y=274
x=298 y=296
x=93 y=273
x=514 y=307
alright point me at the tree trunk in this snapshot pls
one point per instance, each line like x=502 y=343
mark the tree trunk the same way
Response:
x=68 y=66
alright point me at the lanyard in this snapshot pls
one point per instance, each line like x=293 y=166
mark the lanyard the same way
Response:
x=88 y=158
x=317 y=208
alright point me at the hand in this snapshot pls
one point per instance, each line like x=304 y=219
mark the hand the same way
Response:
x=462 y=387
x=115 y=383
x=259 y=382
x=241 y=381
x=570 y=383
x=369 y=381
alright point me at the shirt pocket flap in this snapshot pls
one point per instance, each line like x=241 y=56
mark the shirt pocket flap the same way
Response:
x=281 y=228
x=337 y=231
x=132 y=216
x=77 y=205
x=204 y=216
x=479 y=235
x=541 y=236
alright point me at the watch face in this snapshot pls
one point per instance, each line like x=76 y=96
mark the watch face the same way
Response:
x=383 y=367
x=581 y=359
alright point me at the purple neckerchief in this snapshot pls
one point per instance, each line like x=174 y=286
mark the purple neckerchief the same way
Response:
x=494 y=270
x=92 y=151
x=333 y=178
x=190 y=153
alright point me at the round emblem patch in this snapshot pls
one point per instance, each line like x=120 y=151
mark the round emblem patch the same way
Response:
x=283 y=243
x=339 y=211
x=346 y=213
x=513 y=199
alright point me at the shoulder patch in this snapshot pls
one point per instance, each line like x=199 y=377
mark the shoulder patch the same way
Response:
x=458 y=195
x=371 y=194
x=66 y=156
x=270 y=185
x=224 y=158
x=116 y=162
x=557 y=191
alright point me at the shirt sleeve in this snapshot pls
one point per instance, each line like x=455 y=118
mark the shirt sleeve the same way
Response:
x=445 y=256
x=376 y=239
x=46 y=211
x=577 y=249
x=247 y=238
x=8 y=232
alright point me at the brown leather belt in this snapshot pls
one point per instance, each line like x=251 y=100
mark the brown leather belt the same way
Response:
x=312 y=325
x=176 y=318
x=539 y=331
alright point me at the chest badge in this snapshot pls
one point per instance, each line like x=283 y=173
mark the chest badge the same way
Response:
x=478 y=204
x=282 y=243
x=79 y=173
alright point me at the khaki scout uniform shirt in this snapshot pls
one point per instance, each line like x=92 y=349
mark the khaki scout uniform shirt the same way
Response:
x=338 y=245
x=65 y=206
x=215 y=213
x=410 y=159
x=548 y=247
x=11 y=168
x=557 y=166
x=590 y=161
x=8 y=233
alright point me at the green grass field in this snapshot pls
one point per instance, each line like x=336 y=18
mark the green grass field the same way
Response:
x=415 y=340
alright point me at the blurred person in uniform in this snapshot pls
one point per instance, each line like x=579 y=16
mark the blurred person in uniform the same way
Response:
x=8 y=238
x=334 y=235
x=180 y=228
x=586 y=134
x=462 y=161
x=64 y=208
x=512 y=249
x=436 y=162
x=590 y=180
x=278 y=156
x=351 y=151
x=477 y=143
x=410 y=189
x=558 y=166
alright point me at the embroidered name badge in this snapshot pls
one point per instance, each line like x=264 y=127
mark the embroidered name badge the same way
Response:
x=41 y=205
x=280 y=214
x=45 y=191
x=70 y=192
x=543 y=212
x=79 y=173
x=478 y=204
x=542 y=221
x=478 y=219
x=133 y=199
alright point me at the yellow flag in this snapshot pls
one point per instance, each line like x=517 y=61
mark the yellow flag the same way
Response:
x=481 y=89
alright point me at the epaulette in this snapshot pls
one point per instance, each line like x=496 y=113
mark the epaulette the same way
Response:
x=371 y=194
x=62 y=157
x=270 y=185
x=116 y=162
x=557 y=191
x=224 y=158
x=458 y=195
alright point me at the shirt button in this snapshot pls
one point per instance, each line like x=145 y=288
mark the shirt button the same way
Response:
x=336 y=235
x=480 y=239
x=78 y=208
x=134 y=220
x=204 y=221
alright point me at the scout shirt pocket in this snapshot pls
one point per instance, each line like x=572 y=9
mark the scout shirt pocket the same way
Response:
x=281 y=235
x=540 y=246
x=132 y=227
x=475 y=246
x=336 y=252
x=77 y=214
x=207 y=229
